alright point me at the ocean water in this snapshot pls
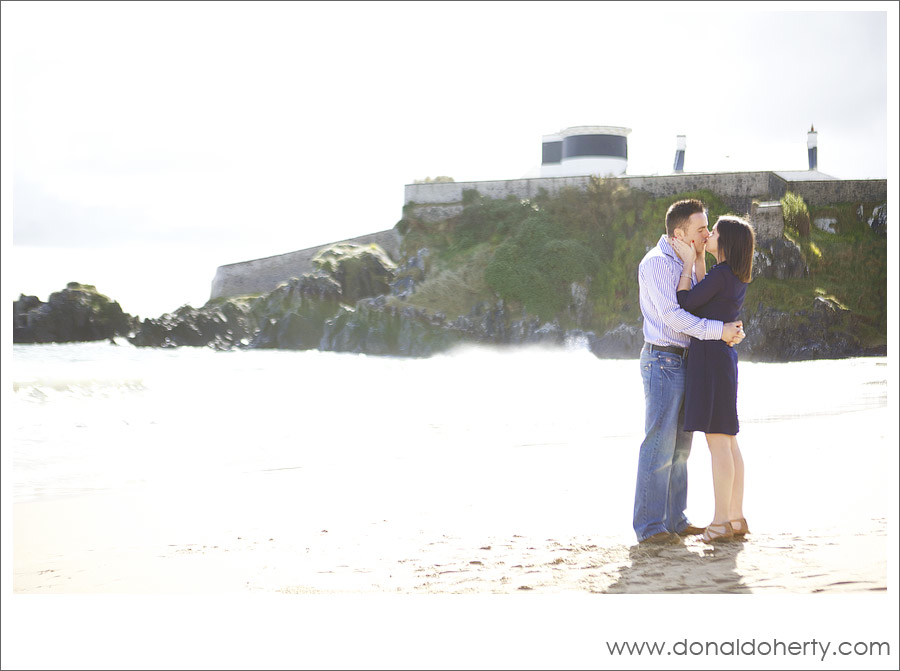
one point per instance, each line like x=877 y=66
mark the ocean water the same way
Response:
x=474 y=436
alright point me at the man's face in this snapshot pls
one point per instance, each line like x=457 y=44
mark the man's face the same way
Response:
x=696 y=230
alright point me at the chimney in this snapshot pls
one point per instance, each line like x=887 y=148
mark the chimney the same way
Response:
x=680 y=143
x=812 y=147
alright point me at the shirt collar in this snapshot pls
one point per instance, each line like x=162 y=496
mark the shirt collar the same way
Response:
x=666 y=249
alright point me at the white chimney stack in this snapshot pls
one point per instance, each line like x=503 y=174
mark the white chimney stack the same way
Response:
x=680 y=145
x=812 y=147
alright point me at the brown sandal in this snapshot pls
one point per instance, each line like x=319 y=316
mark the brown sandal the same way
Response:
x=717 y=532
x=743 y=530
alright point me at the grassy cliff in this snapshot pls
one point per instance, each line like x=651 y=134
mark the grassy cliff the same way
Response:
x=847 y=266
x=573 y=258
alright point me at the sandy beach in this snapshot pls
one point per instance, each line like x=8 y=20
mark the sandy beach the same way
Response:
x=497 y=538
x=515 y=523
x=132 y=555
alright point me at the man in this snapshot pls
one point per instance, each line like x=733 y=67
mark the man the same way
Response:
x=661 y=492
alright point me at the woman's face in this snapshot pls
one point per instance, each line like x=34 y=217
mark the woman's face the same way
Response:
x=712 y=242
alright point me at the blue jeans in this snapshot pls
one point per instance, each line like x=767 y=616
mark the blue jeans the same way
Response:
x=660 y=496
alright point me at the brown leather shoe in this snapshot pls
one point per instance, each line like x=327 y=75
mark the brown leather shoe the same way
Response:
x=662 y=538
x=740 y=527
x=691 y=530
x=716 y=533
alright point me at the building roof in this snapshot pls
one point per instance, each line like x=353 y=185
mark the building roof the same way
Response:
x=802 y=175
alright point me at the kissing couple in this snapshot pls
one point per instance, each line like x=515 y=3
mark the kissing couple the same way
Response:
x=689 y=371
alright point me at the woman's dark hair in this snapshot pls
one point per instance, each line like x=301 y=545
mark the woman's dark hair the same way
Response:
x=736 y=243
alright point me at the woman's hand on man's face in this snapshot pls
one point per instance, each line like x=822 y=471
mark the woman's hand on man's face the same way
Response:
x=685 y=252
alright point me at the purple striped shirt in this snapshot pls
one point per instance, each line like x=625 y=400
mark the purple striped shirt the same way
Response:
x=665 y=321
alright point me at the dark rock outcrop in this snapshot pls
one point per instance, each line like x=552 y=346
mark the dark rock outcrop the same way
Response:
x=374 y=327
x=362 y=271
x=294 y=315
x=623 y=342
x=822 y=332
x=409 y=274
x=779 y=258
x=78 y=313
x=220 y=325
x=878 y=220
x=492 y=323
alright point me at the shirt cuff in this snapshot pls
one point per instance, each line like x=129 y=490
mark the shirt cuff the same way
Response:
x=714 y=329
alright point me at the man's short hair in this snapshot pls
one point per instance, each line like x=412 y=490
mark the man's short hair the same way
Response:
x=679 y=212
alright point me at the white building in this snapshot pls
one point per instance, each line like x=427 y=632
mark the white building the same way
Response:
x=585 y=150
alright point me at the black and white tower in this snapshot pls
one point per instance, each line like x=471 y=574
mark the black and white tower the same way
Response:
x=585 y=150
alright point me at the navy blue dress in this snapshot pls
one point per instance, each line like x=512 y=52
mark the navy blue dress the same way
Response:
x=710 y=389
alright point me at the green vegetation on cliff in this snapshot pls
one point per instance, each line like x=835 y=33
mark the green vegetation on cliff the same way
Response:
x=848 y=266
x=573 y=257
x=530 y=253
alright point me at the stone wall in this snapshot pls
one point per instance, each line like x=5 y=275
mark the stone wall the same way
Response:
x=729 y=185
x=737 y=184
x=432 y=213
x=264 y=275
x=841 y=191
x=767 y=219
x=738 y=189
x=447 y=193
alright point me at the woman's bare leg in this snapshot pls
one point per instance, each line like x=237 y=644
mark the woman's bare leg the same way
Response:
x=737 y=491
x=723 y=474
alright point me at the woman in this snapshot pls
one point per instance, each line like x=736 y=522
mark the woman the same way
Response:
x=710 y=395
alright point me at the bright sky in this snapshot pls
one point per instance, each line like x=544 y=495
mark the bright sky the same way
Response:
x=153 y=142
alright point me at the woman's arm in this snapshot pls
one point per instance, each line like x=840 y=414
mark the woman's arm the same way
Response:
x=700 y=264
x=706 y=287
x=688 y=257
x=702 y=293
